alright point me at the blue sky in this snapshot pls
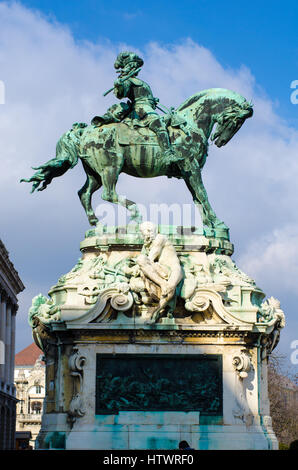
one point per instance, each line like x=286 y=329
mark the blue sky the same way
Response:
x=262 y=35
x=56 y=60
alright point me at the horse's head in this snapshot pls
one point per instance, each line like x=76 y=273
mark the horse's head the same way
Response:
x=229 y=122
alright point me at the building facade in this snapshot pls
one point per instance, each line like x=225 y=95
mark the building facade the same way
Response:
x=290 y=393
x=10 y=286
x=30 y=390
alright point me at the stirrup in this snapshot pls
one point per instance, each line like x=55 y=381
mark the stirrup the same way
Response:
x=171 y=155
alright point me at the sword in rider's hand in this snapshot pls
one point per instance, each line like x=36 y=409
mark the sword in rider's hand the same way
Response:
x=122 y=80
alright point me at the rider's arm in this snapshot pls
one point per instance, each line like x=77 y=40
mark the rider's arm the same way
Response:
x=121 y=88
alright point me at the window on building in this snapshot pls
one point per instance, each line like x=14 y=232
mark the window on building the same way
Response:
x=36 y=407
x=21 y=406
x=37 y=389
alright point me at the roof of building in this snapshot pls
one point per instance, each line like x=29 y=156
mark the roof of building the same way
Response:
x=8 y=272
x=28 y=356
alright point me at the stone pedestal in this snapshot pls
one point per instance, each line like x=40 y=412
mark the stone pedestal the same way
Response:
x=118 y=376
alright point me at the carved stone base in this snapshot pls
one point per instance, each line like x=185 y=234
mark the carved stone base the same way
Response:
x=121 y=376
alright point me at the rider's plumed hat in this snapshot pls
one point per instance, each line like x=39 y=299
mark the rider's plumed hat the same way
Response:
x=125 y=58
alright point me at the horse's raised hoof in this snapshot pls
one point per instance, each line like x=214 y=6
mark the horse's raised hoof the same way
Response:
x=93 y=220
x=220 y=225
x=136 y=218
x=221 y=230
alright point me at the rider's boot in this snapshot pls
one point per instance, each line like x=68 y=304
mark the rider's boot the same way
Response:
x=162 y=134
x=115 y=113
x=106 y=118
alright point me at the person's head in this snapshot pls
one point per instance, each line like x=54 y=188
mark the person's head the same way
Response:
x=127 y=62
x=148 y=230
x=294 y=445
x=183 y=445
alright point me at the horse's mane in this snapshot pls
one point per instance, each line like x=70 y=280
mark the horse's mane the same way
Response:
x=213 y=94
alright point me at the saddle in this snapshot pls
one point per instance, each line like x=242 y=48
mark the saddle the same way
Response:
x=128 y=134
x=134 y=131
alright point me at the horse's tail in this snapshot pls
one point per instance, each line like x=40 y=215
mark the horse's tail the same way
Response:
x=67 y=147
x=67 y=156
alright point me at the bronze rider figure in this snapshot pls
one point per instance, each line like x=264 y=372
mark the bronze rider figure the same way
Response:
x=142 y=104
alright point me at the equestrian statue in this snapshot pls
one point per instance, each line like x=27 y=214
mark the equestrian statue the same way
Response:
x=133 y=138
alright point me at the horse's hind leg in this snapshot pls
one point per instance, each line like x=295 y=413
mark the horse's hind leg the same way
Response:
x=109 y=178
x=85 y=195
x=131 y=207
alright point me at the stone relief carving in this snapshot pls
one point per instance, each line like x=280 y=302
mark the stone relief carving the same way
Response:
x=43 y=309
x=225 y=271
x=158 y=284
x=270 y=311
x=273 y=315
x=159 y=267
x=242 y=365
x=120 y=298
x=76 y=364
x=90 y=293
x=168 y=384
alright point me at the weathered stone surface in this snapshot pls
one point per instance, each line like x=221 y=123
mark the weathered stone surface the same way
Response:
x=108 y=286
x=102 y=309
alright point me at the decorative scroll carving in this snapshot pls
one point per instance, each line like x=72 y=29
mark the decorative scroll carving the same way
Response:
x=242 y=364
x=164 y=283
x=76 y=364
x=120 y=299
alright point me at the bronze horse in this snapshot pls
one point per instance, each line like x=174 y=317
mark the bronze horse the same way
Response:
x=108 y=150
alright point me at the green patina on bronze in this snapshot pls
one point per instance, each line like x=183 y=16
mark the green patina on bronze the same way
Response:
x=132 y=138
x=184 y=383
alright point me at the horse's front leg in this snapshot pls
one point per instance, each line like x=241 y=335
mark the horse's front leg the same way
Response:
x=85 y=195
x=195 y=185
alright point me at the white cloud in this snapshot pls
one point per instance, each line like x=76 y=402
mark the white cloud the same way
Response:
x=179 y=70
x=274 y=258
x=52 y=81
